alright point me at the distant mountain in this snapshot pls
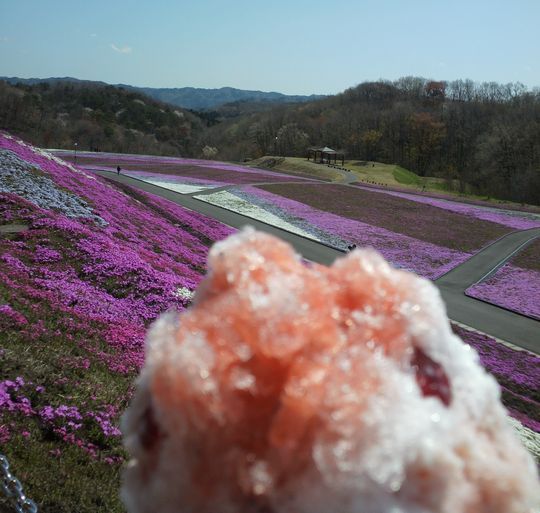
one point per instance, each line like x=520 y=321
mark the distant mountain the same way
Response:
x=188 y=97
x=51 y=80
x=206 y=99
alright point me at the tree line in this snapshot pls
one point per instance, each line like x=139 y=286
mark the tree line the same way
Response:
x=481 y=138
x=103 y=118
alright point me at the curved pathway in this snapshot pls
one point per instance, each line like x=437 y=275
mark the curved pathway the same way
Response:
x=488 y=260
x=495 y=321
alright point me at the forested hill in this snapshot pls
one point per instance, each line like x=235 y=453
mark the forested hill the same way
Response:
x=97 y=116
x=205 y=99
x=194 y=98
x=483 y=137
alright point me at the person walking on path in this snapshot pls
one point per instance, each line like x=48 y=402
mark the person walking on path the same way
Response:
x=118 y=169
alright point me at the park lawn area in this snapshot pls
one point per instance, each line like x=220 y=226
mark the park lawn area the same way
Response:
x=420 y=221
x=298 y=166
x=392 y=175
x=384 y=174
x=395 y=176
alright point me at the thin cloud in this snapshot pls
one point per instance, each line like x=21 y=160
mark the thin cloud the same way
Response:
x=93 y=34
x=123 y=49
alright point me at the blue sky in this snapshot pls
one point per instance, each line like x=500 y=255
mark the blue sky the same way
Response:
x=294 y=46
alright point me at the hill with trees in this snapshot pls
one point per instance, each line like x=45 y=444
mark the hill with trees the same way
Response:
x=97 y=117
x=193 y=98
x=480 y=138
x=206 y=99
x=483 y=137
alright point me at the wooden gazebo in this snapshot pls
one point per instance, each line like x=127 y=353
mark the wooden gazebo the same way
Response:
x=326 y=155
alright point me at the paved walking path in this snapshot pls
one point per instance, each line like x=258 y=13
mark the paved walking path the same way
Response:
x=512 y=327
x=487 y=261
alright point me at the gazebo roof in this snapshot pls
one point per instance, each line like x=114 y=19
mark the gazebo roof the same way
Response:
x=326 y=149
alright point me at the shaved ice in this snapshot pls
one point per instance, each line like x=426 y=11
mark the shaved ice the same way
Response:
x=294 y=388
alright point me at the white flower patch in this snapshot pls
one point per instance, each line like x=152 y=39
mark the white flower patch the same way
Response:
x=184 y=293
x=528 y=437
x=49 y=156
x=231 y=201
x=182 y=188
x=18 y=177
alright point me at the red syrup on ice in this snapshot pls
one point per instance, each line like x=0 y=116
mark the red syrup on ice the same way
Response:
x=431 y=377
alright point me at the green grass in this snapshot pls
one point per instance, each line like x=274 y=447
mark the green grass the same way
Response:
x=60 y=476
x=64 y=482
x=393 y=175
x=297 y=166
x=377 y=173
x=406 y=177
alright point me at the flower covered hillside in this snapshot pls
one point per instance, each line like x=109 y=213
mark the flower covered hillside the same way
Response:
x=84 y=268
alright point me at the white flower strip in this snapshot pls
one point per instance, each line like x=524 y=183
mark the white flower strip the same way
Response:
x=230 y=201
x=19 y=177
x=49 y=156
x=182 y=188
x=528 y=437
x=184 y=293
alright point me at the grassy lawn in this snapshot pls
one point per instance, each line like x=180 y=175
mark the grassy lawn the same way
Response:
x=392 y=175
x=404 y=176
x=420 y=221
x=386 y=174
x=298 y=166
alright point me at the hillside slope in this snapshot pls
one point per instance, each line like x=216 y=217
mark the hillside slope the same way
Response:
x=97 y=116
x=84 y=268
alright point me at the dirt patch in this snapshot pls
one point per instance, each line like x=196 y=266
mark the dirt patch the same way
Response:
x=270 y=163
x=13 y=228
